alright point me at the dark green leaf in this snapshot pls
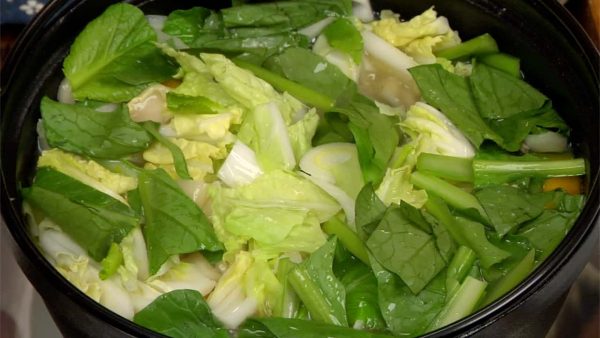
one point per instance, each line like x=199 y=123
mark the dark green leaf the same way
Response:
x=405 y=250
x=317 y=273
x=508 y=207
x=298 y=328
x=85 y=131
x=548 y=230
x=452 y=95
x=115 y=56
x=178 y=157
x=466 y=232
x=343 y=36
x=194 y=26
x=181 y=314
x=516 y=128
x=91 y=218
x=408 y=314
x=290 y=14
x=174 y=223
x=369 y=211
x=375 y=134
x=362 y=305
x=499 y=95
x=311 y=70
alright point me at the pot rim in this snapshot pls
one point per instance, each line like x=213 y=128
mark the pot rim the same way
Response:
x=477 y=321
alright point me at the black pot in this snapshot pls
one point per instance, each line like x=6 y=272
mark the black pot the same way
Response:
x=557 y=58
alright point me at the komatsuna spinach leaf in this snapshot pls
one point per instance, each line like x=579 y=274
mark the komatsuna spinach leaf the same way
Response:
x=318 y=288
x=362 y=304
x=547 y=231
x=404 y=249
x=406 y=313
x=369 y=211
x=93 y=219
x=452 y=94
x=84 y=131
x=174 y=223
x=499 y=95
x=181 y=314
x=298 y=328
x=290 y=14
x=115 y=57
x=516 y=128
x=343 y=35
x=251 y=32
x=508 y=207
x=375 y=134
x=194 y=26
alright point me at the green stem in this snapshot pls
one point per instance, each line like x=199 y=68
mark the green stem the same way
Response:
x=459 y=268
x=461 y=304
x=503 y=62
x=111 y=262
x=449 y=167
x=454 y=196
x=558 y=168
x=482 y=44
x=511 y=279
x=438 y=209
x=348 y=238
x=289 y=303
x=311 y=296
x=306 y=95
x=178 y=157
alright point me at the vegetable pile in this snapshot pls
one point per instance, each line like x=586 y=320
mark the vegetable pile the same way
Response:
x=297 y=169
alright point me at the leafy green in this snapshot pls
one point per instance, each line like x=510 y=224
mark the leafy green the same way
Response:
x=84 y=131
x=181 y=103
x=180 y=314
x=178 y=156
x=114 y=58
x=406 y=313
x=298 y=328
x=516 y=128
x=452 y=95
x=499 y=95
x=250 y=32
x=318 y=288
x=362 y=304
x=511 y=279
x=166 y=235
x=194 y=26
x=302 y=66
x=466 y=232
x=369 y=211
x=548 y=230
x=93 y=219
x=375 y=135
x=88 y=172
x=508 y=207
x=111 y=262
x=342 y=35
x=405 y=249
